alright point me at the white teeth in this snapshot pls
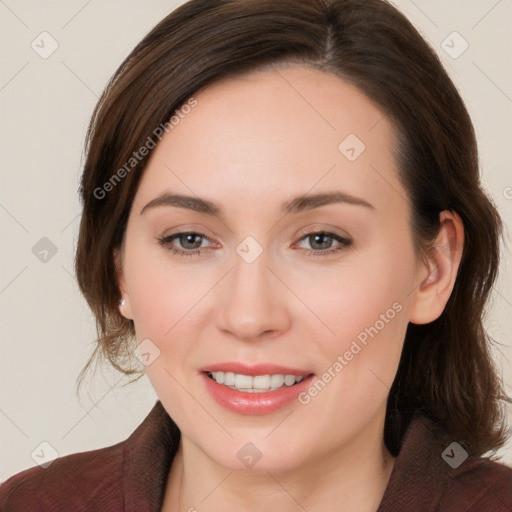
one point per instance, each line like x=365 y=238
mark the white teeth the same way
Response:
x=289 y=380
x=219 y=377
x=229 y=378
x=276 y=381
x=243 y=381
x=260 y=382
x=256 y=384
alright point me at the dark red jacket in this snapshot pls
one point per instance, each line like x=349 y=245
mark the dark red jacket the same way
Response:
x=131 y=476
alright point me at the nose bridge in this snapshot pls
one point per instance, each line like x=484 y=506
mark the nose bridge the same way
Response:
x=251 y=306
x=250 y=274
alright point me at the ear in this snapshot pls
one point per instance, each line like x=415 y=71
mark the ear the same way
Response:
x=437 y=275
x=126 y=309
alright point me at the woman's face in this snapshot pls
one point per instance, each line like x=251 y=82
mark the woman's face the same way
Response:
x=264 y=290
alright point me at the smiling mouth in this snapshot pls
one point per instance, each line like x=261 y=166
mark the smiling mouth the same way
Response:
x=256 y=383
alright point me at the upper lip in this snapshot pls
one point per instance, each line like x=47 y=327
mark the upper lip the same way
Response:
x=256 y=369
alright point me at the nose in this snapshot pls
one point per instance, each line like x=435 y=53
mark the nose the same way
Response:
x=253 y=301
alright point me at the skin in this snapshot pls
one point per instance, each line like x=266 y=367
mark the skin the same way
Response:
x=250 y=144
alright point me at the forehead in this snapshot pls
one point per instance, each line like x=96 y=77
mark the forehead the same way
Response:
x=279 y=133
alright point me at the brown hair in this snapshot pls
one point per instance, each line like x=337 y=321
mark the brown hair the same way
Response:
x=446 y=371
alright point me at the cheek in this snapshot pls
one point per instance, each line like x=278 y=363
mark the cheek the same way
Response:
x=162 y=293
x=352 y=294
x=364 y=303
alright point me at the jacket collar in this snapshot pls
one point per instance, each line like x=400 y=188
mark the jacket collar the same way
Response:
x=420 y=475
x=148 y=455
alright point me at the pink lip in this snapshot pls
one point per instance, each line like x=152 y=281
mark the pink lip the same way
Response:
x=257 y=369
x=255 y=403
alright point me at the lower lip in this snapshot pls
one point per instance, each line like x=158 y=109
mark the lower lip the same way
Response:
x=254 y=403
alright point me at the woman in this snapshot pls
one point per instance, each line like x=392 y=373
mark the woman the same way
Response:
x=282 y=215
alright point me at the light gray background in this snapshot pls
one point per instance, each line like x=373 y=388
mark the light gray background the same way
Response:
x=46 y=328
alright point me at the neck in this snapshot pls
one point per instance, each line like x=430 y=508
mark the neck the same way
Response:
x=351 y=478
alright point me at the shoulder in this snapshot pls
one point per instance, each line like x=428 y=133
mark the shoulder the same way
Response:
x=69 y=482
x=470 y=482
x=481 y=484
x=129 y=475
x=434 y=472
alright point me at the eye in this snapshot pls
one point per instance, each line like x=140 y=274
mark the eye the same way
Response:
x=191 y=242
x=187 y=239
x=323 y=240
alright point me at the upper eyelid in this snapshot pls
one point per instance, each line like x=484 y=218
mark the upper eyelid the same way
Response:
x=315 y=227
x=309 y=230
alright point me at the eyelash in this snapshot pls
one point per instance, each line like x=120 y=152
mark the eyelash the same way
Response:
x=167 y=243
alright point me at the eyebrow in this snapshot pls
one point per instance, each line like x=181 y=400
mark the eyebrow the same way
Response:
x=295 y=205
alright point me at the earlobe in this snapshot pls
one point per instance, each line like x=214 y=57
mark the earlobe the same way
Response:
x=124 y=303
x=439 y=271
